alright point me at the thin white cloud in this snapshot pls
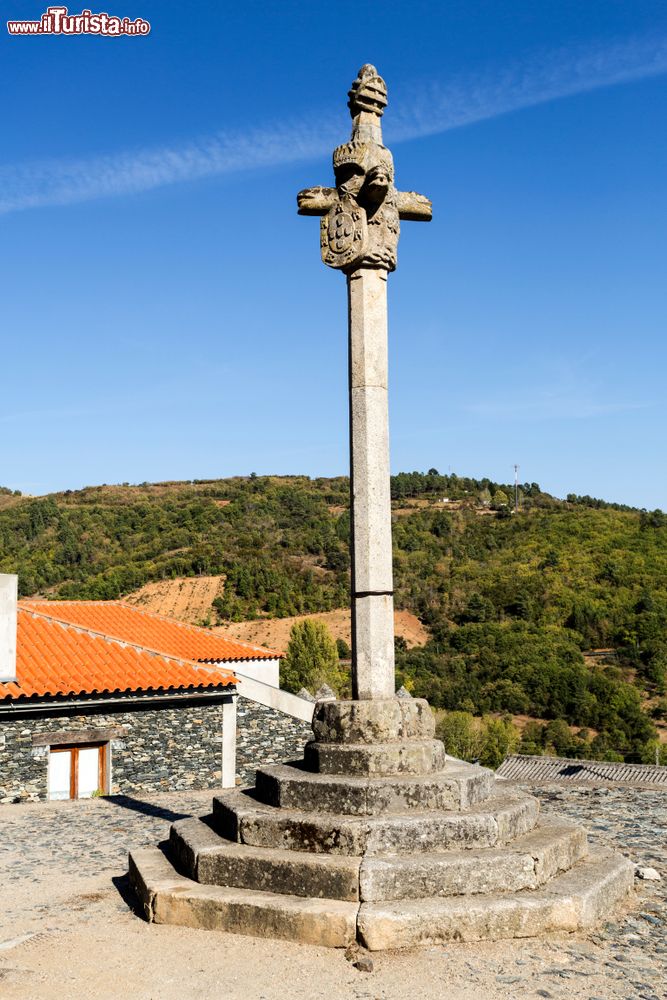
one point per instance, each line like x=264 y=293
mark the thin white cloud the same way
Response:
x=432 y=107
x=438 y=107
x=566 y=389
x=64 y=182
x=559 y=388
x=550 y=406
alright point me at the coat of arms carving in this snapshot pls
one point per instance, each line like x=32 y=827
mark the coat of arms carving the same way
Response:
x=343 y=233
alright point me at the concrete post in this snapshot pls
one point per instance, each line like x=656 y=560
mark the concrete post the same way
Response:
x=370 y=500
x=229 y=742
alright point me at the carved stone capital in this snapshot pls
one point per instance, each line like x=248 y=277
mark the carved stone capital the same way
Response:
x=361 y=215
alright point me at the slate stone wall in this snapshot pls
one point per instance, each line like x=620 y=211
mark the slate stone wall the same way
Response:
x=155 y=749
x=265 y=736
x=171 y=748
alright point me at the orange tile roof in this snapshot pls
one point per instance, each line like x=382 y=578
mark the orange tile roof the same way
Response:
x=164 y=635
x=55 y=658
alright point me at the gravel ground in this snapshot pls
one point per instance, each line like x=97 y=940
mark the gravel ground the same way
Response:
x=67 y=928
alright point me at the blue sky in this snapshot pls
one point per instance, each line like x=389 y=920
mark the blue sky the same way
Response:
x=165 y=314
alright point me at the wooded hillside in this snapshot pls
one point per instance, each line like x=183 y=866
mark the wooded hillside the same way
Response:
x=512 y=601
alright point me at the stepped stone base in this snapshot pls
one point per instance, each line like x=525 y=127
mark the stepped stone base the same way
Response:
x=195 y=848
x=527 y=863
x=376 y=836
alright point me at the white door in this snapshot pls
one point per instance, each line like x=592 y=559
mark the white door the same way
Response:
x=60 y=771
x=89 y=771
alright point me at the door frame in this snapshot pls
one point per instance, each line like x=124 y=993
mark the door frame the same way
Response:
x=103 y=764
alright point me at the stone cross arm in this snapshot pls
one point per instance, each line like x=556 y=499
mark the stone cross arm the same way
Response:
x=318 y=200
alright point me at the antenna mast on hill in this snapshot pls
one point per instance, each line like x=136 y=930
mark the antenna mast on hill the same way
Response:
x=516 y=489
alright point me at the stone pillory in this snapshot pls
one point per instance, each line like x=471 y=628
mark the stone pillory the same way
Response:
x=375 y=835
x=359 y=235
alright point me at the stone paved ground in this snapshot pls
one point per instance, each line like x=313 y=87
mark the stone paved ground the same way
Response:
x=634 y=821
x=67 y=931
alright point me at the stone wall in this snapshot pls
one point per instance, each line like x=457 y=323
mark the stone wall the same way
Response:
x=265 y=736
x=171 y=748
x=167 y=748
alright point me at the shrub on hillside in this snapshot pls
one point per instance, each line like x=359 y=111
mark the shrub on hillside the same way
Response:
x=487 y=740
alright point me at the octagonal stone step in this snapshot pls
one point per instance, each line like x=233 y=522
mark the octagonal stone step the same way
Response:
x=527 y=863
x=376 y=720
x=499 y=820
x=577 y=899
x=457 y=787
x=169 y=898
x=406 y=757
x=204 y=856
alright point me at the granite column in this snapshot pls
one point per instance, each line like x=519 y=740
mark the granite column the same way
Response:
x=370 y=501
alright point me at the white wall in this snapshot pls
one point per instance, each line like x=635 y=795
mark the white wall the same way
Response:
x=266 y=671
x=8 y=598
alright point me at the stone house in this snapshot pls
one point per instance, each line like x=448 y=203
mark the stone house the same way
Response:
x=110 y=698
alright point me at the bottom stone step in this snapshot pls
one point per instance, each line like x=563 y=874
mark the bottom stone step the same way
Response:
x=170 y=898
x=579 y=898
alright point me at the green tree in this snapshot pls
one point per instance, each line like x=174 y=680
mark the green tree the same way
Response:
x=654 y=753
x=478 y=609
x=344 y=651
x=460 y=733
x=501 y=737
x=558 y=738
x=532 y=739
x=311 y=659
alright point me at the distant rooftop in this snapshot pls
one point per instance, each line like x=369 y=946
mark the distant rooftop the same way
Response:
x=518 y=767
